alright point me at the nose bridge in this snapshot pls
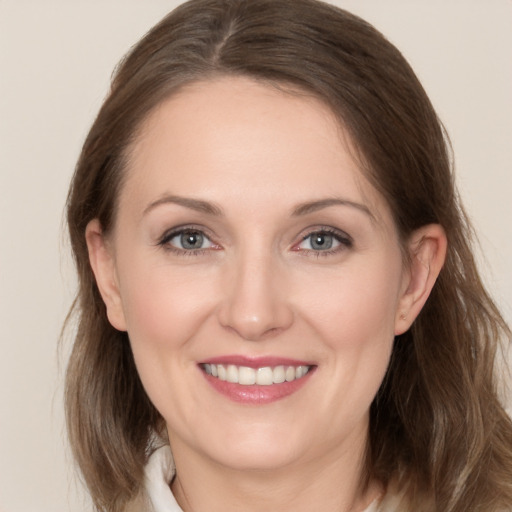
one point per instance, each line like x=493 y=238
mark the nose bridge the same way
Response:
x=254 y=304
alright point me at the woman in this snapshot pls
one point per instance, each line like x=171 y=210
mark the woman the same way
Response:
x=276 y=279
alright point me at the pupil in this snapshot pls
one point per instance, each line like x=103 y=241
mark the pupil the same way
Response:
x=321 y=242
x=191 y=240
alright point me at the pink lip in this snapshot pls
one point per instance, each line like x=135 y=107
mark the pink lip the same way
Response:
x=256 y=362
x=256 y=394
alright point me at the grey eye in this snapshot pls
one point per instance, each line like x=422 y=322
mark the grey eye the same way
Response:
x=321 y=241
x=190 y=240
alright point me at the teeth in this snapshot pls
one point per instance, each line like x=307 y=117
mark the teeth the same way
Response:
x=246 y=376
x=264 y=376
x=232 y=373
x=278 y=375
x=221 y=371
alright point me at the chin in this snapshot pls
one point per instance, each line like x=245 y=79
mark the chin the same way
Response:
x=256 y=448
x=257 y=457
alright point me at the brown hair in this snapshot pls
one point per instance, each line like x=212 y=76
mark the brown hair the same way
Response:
x=437 y=429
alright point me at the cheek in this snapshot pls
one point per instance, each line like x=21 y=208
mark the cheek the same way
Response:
x=355 y=320
x=356 y=307
x=162 y=306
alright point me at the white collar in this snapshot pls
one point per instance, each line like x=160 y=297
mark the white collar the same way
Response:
x=158 y=475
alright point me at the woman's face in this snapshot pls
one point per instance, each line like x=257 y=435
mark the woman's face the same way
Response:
x=249 y=245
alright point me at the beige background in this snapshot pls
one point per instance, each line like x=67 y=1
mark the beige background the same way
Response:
x=56 y=58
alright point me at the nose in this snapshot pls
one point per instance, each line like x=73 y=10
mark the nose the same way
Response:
x=254 y=299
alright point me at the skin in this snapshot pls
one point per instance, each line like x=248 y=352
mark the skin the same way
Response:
x=257 y=287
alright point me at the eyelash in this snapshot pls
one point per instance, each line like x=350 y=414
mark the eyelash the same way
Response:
x=344 y=240
x=166 y=238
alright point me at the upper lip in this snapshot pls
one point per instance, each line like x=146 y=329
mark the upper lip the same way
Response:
x=256 y=362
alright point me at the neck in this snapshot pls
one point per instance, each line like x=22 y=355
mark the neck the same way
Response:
x=331 y=482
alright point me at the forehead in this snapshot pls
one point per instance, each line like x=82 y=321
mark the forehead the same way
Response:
x=234 y=136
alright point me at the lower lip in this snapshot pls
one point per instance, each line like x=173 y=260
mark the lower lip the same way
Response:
x=254 y=394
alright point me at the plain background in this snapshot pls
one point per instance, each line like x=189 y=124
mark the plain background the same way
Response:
x=56 y=58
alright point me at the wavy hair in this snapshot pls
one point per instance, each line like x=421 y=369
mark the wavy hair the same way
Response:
x=437 y=429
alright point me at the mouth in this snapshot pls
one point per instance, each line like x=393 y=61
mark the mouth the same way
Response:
x=260 y=376
x=256 y=381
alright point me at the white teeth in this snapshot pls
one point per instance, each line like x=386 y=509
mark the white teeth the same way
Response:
x=265 y=376
x=221 y=371
x=278 y=375
x=232 y=374
x=246 y=376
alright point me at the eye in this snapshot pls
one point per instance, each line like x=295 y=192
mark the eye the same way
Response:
x=319 y=242
x=187 y=240
x=190 y=240
x=324 y=240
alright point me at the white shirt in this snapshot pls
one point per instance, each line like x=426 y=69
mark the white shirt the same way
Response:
x=160 y=471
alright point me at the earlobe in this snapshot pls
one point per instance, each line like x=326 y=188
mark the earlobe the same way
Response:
x=102 y=262
x=427 y=253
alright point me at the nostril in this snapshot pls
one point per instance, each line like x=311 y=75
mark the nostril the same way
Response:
x=255 y=329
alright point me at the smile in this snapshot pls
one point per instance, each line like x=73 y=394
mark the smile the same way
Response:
x=263 y=376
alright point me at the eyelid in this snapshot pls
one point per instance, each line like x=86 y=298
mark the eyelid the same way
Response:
x=176 y=230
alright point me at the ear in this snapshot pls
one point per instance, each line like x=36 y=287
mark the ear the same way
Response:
x=427 y=252
x=102 y=262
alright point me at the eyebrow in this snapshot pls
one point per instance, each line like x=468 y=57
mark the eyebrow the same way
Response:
x=313 y=206
x=187 y=202
x=211 y=209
